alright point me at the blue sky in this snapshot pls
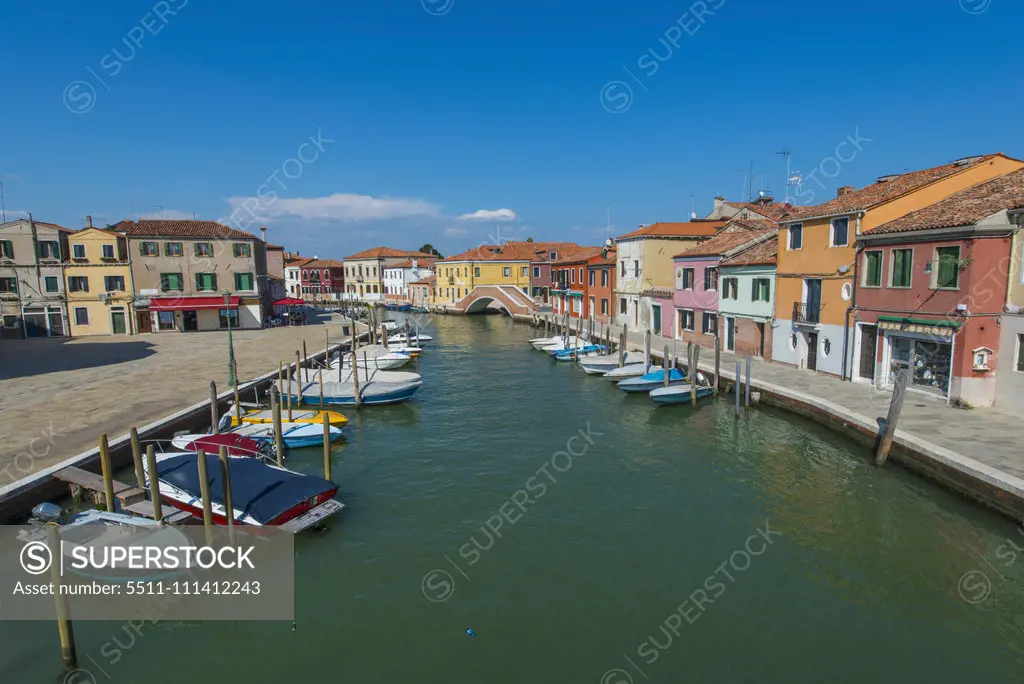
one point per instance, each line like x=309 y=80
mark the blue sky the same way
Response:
x=443 y=113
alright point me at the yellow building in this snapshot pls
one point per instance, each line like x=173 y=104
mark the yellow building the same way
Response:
x=816 y=259
x=99 y=283
x=509 y=265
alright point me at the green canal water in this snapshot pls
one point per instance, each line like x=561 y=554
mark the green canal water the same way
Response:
x=674 y=546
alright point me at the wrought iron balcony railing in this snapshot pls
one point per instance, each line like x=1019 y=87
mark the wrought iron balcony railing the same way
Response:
x=808 y=314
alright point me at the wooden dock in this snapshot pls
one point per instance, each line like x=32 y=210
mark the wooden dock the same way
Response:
x=131 y=498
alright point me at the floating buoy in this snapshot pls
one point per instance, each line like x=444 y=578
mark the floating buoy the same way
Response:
x=471 y=633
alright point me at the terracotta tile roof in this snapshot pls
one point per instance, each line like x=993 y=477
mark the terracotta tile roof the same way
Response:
x=323 y=263
x=726 y=241
x=386 y=252
x=515 y=251
x=276 y=248
x=422 y=262
x=658 y=292
x=763 y=254
x=770 y=210
x=105 y=231
x=607 y=261
x=662 y=229
x=181 y=229
x=429 y=280
x=965 y=208
x=579 y=256
x=297 y=261
x=43 y=223
x=888 y=188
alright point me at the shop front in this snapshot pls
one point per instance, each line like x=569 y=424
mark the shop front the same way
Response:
x=192 y=314
x=924 y=347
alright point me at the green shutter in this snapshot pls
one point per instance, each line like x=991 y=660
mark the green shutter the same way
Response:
x=948 y=273
x=873 y=277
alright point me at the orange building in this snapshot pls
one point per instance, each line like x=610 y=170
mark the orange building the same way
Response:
x=814 y=285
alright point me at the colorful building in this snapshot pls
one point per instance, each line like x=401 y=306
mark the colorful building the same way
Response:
x=32 y=255
x=644 y=258
x=399 y=276
x=747 y=313
x=813 y=302
x=571 y=282
x=99 y=283
x=293 y=264
x=601 y=286
x=364 y=271
x=541 y=279
x=699 y=288
x=932 y=287
x=193 y=275
x=505 y=266
x=421 y=292
x=322 y=280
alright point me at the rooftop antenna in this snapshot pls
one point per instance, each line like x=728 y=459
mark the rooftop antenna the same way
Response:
x=608 y=225
x=3 y=207
x=787 y=153
x=750 y=182
x=693 y=206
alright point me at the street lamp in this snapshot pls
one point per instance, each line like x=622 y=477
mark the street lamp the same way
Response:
x=231 y=344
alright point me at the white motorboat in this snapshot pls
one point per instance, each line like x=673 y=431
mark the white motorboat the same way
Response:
x=559 y=341
x=414 y=338
x=630 y=370
x=293 y=435
x=599 y=365
x=373 y=356
x=391 y=326
x=365 y=375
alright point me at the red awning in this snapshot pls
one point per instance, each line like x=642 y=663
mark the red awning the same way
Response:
x=183 y=303
x=289 y=301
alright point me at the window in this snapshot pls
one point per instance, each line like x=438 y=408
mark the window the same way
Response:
x=710 y=323
x=730 y=288
x=604 y=307
x=581 y=275
x=536 y=271
x=656 y=318
x=687 y=278
x=622 y=271
x=51 y=283
x=113 y=283
x=604 y=277
x=572 y=275
x=553 y=255
x=206 y=282
x=78 y=284
x=148 y=249
x=636 y=268
x=524 y=271
x=49 y=250
x=902 y=263
x=6 y=249
x=711 y=279
x=872 y=269
x=948 y=270
x=840 y=232
x=622 y=306
x=243 y=281
x=108 y=251
x=685 y=320
x=171 y=282
x=590 y=276
x=8 y=285
x=228 y=314
x=507 y=271
x=241 y=249
x=761 y=289
x=1020 y=353
x=165 y=320
x=826 y=347
x=77 y=251
x=204 y=249
x=796 y=236
x=81 y=315
x=10 y=321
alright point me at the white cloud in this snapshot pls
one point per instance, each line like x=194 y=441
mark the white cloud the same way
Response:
x=455 y=232
x=339 y=206
x=490 y=215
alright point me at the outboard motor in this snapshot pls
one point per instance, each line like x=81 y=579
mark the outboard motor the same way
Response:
x=45 y=513
x=225 y=421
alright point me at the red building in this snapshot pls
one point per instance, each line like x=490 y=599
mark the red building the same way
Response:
x=323 y=279
x=575 y=284
x=601 y=286
x=930 y=294
x=540 y=270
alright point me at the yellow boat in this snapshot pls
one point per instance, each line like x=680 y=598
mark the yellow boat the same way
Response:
x=299 y=415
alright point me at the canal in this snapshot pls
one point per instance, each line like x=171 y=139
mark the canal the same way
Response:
x=585 y=536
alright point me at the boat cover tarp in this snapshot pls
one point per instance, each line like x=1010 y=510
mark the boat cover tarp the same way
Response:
x=256 y=489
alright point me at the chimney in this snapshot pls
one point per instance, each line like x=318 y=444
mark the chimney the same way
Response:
x=764 y=200
x=415 y=263
x=718 y=202
x=845 y=190
x=88 y=221
x=263 y=231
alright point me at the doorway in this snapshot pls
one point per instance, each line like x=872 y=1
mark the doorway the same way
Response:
x=760 y=339
x=190 y=318
x=868 y=350
x=143 y=323
x=730 y=334
x=812 y=351
x=812 y=300
x=656 y=318
x=117 y=322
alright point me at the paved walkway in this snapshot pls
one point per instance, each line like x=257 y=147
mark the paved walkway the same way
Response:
x=58 y=395
x=989 y=436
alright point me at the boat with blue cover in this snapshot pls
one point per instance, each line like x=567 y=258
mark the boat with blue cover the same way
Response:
x=652 y=380
x=579 y=352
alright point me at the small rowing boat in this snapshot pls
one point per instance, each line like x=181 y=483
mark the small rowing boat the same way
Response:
x=599 y=365
x=579 y=352
x=299 y=416
x=678 y=394
x=652 y=380
x=237 y=444
x=293 y=435
x=414 y=338
x=630 y=370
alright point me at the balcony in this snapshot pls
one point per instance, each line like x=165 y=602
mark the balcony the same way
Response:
x=804 y=314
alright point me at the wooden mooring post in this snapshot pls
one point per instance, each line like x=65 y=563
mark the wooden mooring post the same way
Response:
x=736 y=388
x=355 y=378
x=747 y=384
x=229 y=509
x=666 y=370
x=718 y=362
x=154 y=483
x=214 y=418
x=895 y=408
x=694 y=360
x=140 y=475
x=327 y=447
x=275 y=417
x=108 y=474
x=304 y=358
x=238 y=400
x=64 y=627
x=204 y=492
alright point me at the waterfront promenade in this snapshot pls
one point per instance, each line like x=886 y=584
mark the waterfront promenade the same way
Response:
x=57 y=395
